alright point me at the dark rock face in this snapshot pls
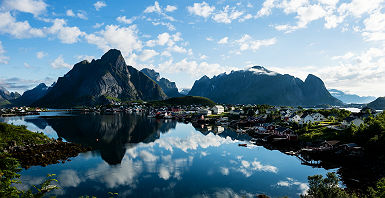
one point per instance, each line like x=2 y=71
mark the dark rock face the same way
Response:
x=378 y=104
x=98 y=82
x=168 y=87
x=31 y=96
x=258 y=85
x=351 y=98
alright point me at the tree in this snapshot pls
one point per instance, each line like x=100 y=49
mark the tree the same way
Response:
x=328 y=187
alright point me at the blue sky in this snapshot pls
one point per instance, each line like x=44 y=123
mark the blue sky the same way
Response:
x=341 y=41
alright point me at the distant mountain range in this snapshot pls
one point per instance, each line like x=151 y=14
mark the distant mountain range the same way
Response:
x=378 y=104
x=258 y=85
x=6 y=96
x=168 y=87
x=101 y=81
x=351 y=98
x=184 y=91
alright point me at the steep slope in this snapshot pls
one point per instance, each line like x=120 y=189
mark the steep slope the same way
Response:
x=351 y=98
x=257 y=85
x=168 y=87
x=89 y=84
x=31 y=96
x=378 y=104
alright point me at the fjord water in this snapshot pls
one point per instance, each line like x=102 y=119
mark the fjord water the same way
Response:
x=137 y=156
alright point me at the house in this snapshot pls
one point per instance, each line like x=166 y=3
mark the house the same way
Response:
x=352 y=120
x=236 y=112
x=306 y=119
x=294 y=118
x=204 y=112
x=311 y=118
x=218 y=109
x=329 y=144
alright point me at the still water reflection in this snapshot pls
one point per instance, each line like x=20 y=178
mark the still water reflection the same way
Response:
x=141 y=157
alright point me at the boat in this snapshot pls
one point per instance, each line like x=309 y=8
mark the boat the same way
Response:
x=244 y=145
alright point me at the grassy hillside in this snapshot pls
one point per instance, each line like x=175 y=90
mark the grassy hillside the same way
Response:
x=185 y=100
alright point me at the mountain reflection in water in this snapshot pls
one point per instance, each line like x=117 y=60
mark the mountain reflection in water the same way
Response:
x=111 y=135
x=140 y=157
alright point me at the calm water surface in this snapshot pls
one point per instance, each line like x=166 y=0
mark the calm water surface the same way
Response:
x=141 y=157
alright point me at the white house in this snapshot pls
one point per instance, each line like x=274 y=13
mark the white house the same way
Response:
x=318 y=117
x=294 y=118
x=218 y=109
x=352 y=120
x=204 y=112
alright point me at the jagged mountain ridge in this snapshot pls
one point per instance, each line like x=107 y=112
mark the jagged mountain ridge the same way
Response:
x=258 y=85
x=30 y=96
x=168 y=87
x=99 y=82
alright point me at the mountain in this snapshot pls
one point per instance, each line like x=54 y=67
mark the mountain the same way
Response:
x=258 y=85
x=168 y=87
x=31 y=96
x=378 y=104
x=351 y=98
x=185 y=100
x=184 y=91
x=6 y=96
x=101 y=82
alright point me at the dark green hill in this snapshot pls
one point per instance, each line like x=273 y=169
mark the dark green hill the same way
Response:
x=186 y=100
x=378 y=104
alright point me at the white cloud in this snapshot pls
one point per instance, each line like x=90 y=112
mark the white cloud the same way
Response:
x=80 y=14
x=147 y=156
x=85 y=57
x=98 y=25
x=347 y=56
x=303 y=187
x=69 y=178
x=227 y=15
x=65 y=34
x=170 y=8
x=148 y=54
x=41 y=54
x=153 y=8
x=374 y=29
x=9 y=25
x=3 y=59
x=70 y=13
x=224 y=171
x=157 y=9
x=224 y=40
x=99 y=4
x=248 y=43
x=35 y=7
x=165 y=39
x=266 y=8
x=164 y=173
x=201 y=9
x=122 y=38
x=170 y=26
x=59 y=63
x=123 y=19
x=357 y=8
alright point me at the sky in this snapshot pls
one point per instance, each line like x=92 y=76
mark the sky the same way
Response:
x=340 y=41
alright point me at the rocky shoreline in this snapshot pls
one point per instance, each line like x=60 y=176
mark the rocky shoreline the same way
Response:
x=45 y=154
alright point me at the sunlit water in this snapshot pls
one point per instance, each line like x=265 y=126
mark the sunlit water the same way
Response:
x=141 y=157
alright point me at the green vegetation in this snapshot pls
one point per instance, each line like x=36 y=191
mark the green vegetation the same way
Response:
x=19 y=135
x=320 y=187
x=185 y=100
x=9 y=166
x=4 y=103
